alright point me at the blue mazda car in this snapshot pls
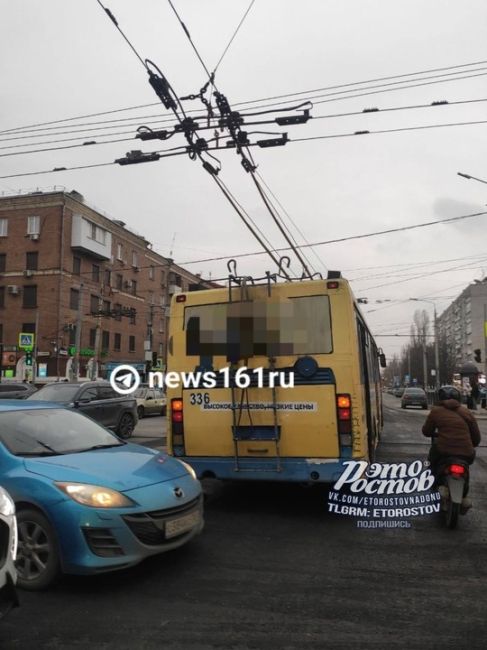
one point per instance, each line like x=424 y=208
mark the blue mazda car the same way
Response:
x=86 y=501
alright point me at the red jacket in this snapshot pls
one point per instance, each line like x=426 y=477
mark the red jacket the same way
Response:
x=457 y=429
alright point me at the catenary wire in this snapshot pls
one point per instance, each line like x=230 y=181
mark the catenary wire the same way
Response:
x=233 y=36
x=304 y=92
x=349 y=238
x=218 y=148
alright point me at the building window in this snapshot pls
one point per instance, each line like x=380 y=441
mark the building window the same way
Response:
x=118 y=311
x=33 y=225
x=72 y=335
x=1 y=332
x=119 y=282
x=29 y=328
x=151 y=297
x=134 y=259
x=92 y=230
x=74 y=299
x=117 y=344
x=131 y=343
x=95 y=273
x=31 y=261
x=29 y=296
x=105 y=340
x=2 y=297
x=106 y=307
x=3 y=227
x=108 y=277
x=134 y=287
x=119 y=252
x=151 y=272
x=94 y=304
x=93 y=338
x=76 y=265
x=3 y=262
x=132 y=320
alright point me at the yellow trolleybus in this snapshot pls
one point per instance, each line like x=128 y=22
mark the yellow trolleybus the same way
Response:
x=273 y=381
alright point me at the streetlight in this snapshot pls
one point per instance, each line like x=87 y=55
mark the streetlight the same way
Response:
x=437 y=352
x=471 y=178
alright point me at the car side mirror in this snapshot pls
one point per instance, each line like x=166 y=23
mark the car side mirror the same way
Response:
x=382 y=360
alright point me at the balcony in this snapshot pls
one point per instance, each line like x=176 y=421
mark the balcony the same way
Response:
x=90 y=238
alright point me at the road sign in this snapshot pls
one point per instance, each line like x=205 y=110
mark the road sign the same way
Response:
x=26 y=341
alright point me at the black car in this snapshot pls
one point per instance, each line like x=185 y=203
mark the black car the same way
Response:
x=16 y=390
x=98 y=400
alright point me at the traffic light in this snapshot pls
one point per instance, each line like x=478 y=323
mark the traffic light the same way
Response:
x=28 y=358
x=477 y=355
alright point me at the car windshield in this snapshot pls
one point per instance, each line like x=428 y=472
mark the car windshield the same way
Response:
x=140 y=392
x=58 y=392
x=43 y=432
x=415 y=391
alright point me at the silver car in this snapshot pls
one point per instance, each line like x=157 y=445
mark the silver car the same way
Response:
x=150 y=401
x=8 y=553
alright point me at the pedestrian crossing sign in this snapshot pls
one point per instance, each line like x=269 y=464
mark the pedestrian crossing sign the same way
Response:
x=26 y=341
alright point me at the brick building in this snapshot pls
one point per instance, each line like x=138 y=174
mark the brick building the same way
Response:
x=72 y=275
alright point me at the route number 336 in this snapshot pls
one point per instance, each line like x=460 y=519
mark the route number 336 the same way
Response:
x=199 y=398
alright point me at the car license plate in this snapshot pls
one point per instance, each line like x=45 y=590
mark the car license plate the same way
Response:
x=182 y=524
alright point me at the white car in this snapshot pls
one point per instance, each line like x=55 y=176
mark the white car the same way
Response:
x=150 y=401
x=8 y=553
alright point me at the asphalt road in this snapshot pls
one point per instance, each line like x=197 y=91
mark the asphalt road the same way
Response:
x=273 y=569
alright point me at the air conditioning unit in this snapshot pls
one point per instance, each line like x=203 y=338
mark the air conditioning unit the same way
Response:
x=13 y=289
x=34 y=236
x=28 y=273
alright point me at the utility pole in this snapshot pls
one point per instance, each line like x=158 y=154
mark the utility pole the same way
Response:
x=166 y=313
x=437 y=349
x=36 y=348
x=77 y=339
x=485 y=340
x=98 y=341
x=425 y=365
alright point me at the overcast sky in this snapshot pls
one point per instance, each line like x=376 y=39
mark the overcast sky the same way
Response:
x=64 y=58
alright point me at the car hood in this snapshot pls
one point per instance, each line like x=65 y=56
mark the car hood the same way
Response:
x=122 y=468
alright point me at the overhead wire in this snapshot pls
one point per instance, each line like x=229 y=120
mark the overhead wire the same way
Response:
x=349 y=238
x=310 y=138
x=243 y=103
x=233 y=36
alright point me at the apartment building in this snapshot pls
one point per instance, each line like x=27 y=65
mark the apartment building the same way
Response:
x=463 y=325
x=92 y=290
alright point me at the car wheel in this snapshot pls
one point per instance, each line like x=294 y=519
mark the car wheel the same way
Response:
x=37 y=557
x=126 y=425
x=140 y=412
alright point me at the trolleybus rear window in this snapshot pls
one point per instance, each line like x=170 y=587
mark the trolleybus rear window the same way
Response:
x=240 y=330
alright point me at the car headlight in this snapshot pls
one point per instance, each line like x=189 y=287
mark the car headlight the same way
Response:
x=7 y=506
x=95 y=496
x=189 y=469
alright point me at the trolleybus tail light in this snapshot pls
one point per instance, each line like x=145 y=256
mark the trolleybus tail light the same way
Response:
x=332 y=285
x=177 y=427
x=459 y=470
x=181 y=298
x=344 y=412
